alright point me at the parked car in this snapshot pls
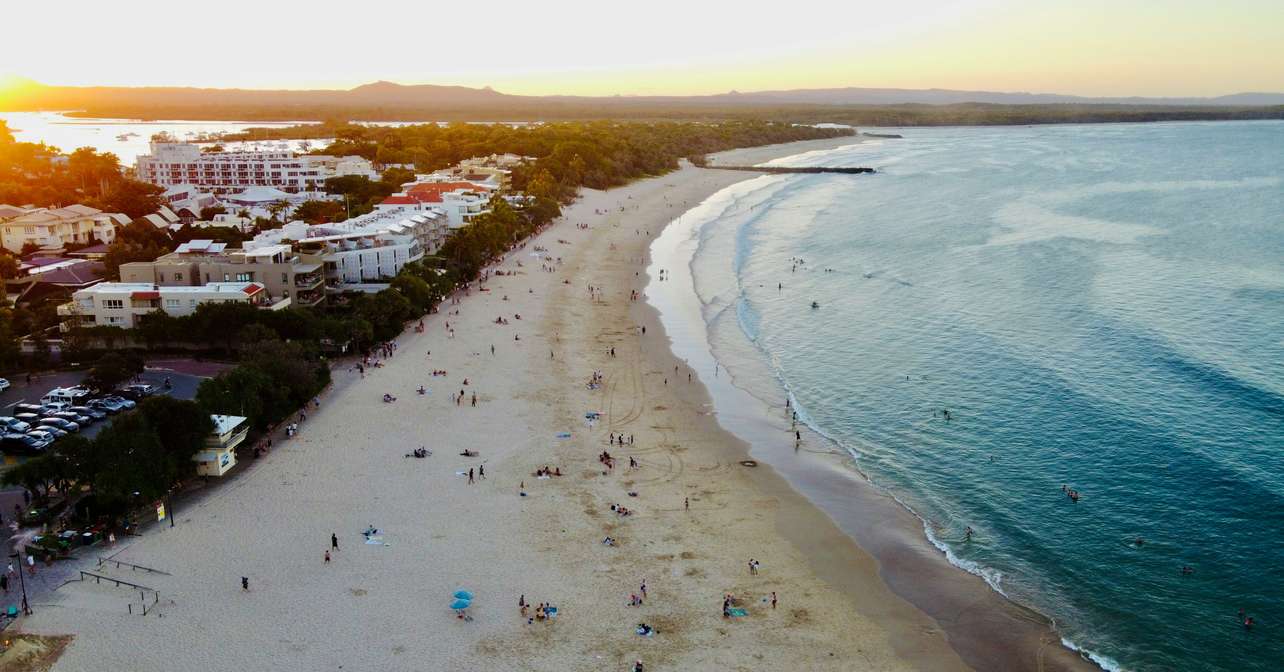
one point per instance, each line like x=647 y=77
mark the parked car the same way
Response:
x=4 y=384
x=56 y=432
x=28 y=408
x=21 y=444
x=60 y=423
x=14 y=424
x=42 y=435
x=137 y=392
x=88 y=412
x=127 y=403
x=72 y=416
x=106 y=406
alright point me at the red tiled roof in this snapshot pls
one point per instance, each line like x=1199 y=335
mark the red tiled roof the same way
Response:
x=431 y=191
x=399 y=200
x=145 y=295
x=253 y=288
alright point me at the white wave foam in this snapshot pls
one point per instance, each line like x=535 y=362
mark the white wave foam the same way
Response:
x=1104 y=662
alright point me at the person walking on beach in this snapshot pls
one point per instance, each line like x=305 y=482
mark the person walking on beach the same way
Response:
x=686 y=503
x=474 y=400
x=327 y=557
x=334 y=541
x=245 y=584
x=470 y=475
x=481 y=472
x=773 y=599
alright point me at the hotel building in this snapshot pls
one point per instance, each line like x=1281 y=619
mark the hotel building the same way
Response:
x=173 y=164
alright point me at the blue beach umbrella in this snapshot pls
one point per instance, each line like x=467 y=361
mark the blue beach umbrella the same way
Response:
x=460 y=604
x=463 y=595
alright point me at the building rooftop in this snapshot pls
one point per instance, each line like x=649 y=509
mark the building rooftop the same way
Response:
x=226 y=423
x=201 y=246
x=146 y=288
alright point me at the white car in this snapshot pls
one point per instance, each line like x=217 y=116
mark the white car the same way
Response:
x=4 y=384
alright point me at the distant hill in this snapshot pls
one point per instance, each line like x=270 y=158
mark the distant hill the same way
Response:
x=391 y=101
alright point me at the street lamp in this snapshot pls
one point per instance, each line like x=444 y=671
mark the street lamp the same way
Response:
x=26 y=609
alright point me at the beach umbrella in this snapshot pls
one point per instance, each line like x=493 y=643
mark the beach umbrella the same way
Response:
x=463 y=595
x=460 y=604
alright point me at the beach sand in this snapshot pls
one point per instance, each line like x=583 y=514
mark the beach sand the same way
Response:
x=385 y=606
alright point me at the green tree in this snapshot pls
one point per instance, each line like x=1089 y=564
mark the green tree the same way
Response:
x=320 y=212
x=112 y=370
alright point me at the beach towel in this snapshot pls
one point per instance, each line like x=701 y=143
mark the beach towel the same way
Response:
x=376 y=541
x=563 y=435
x=737 y=612
x=550 y=611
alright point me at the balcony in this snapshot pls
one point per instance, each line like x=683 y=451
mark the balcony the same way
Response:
x=309 y=280
x=310 y=298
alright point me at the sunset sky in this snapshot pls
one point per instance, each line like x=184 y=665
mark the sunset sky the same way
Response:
x=1086 y=47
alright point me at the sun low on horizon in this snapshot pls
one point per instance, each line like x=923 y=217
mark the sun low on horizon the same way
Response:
x=574 y=47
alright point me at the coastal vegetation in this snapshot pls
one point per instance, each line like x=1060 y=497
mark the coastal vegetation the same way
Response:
x=39 y=175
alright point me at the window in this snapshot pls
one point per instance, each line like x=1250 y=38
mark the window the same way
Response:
x=285 y=277
x=171 y=303
x=178 y=277
x=113 y=304
x=244 y=277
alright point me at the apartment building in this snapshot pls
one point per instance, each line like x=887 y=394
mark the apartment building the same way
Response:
x=364 y=253
x=172 y=164
x=52 y=229
x=283 y=273
x=122 y=304
x=461 y=202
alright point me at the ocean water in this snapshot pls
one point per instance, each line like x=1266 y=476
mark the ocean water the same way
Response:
x=1098 y=306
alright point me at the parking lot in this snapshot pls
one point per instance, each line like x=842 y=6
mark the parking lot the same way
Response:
x=183 y=387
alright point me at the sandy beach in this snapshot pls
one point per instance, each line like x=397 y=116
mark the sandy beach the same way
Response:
x=385 y=605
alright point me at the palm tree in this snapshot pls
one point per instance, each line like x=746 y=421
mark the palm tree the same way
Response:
x=277 y=207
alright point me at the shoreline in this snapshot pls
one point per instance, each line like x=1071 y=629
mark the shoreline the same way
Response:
x=1005 y=635
x=511 y=533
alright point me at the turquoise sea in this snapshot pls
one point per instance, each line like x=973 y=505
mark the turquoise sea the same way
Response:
x=1099 y=307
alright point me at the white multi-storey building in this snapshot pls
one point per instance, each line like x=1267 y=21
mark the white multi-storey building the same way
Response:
x=462 y=202
x=121 y=304
x=180 y=163
x=51 y=229
x=363 y=253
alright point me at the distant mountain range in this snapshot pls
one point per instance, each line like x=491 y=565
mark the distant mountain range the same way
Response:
x=390 y=101
x=867 y=96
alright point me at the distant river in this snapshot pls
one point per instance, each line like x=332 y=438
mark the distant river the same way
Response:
x=1099 y=307
x=128 y=138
